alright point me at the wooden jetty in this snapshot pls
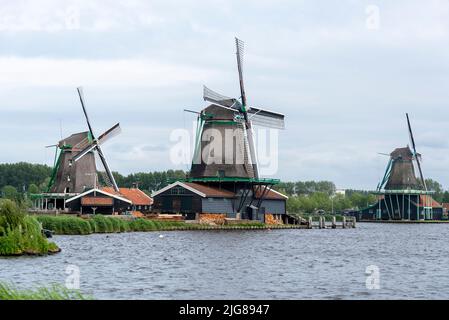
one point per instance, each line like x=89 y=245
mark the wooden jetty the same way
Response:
x=346 y=223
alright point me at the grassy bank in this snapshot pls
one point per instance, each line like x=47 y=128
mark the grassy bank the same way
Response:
x=9 y=292
x=66 y=225
x=101 y=224
x=21 y=234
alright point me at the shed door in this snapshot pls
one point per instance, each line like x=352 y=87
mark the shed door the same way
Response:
x=176 y=204
x=186 y=204
x=167 y=204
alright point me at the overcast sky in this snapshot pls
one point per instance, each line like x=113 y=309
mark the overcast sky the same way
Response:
x=343 y=75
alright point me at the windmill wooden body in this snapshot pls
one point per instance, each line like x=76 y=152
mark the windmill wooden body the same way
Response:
x=69 y=177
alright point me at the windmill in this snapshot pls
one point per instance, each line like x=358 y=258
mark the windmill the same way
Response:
x=75 y=168
x=401 y=194
x=400 y=173
x=232 y=113
x=232 y=162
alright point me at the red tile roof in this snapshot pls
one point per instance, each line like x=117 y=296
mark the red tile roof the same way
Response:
x=136 y=196
x=97 y=201
x=210 y=191
x=428 y=201
x=271 y=195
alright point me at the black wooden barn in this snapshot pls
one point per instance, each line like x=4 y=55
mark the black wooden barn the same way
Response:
x=193 y=199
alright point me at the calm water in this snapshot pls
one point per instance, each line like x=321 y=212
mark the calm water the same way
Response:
x=283 y=264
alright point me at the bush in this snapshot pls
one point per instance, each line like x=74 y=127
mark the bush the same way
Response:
x=10 y=214
x=66 y=225
x=102 y=224
x=21 y=234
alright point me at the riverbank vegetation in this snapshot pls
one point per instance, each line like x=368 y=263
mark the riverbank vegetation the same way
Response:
x=66 y=225
x=102 y=224
x=9 y=292
x=20 y=233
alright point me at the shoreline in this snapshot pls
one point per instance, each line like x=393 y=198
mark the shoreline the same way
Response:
x=63 y=225
x=406 y=221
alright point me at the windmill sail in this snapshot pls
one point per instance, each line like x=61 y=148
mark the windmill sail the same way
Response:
x=95 y=145
x=240 y=46
x=417 y=156
x=265 y=118
x=214 y=97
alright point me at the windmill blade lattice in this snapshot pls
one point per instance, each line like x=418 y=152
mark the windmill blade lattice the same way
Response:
x=266 y=118
x=215 y=97
x=417 y=156
x=95 y=144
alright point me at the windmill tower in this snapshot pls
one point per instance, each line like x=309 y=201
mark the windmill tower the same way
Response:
x=401 y=194
x=75 y=167
x=225 y=152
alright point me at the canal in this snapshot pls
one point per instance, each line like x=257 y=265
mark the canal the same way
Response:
x=412 y=260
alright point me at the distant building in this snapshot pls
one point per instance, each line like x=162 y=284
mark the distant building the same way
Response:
x=341 y=192
x=103 y=200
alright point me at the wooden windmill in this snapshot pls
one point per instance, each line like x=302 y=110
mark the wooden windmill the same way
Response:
x=234 y=166
x=401 y=194
x=75 y=170
x=400 y=173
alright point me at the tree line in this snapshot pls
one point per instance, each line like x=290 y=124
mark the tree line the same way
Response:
x=307 y=197
x=19 y=180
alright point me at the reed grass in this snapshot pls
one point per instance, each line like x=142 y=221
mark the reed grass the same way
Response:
x=55 y=292
x=64 y=225
x=102 y=224
x=21 y=234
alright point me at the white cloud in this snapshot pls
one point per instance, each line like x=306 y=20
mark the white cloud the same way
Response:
x=24 y=72
x=344 y=88
x=59 y=16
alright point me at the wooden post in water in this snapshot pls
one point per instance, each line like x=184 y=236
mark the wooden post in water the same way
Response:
x=310 y=222
x=353 y=222
x=344 y=222
x=324 y=222
x=334 y=222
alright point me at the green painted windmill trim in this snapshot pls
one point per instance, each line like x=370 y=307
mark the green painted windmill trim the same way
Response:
x=206 y=115
x=57 y=164
x=387 y=174
x=199 y=130
x=232 y=179
x=55 y=171
x=223 y=122
x=89 y=137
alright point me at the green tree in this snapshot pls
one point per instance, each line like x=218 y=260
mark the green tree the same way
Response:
x=33 y=189
x=436 y=187
x=10 y=192
x=23 y=174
